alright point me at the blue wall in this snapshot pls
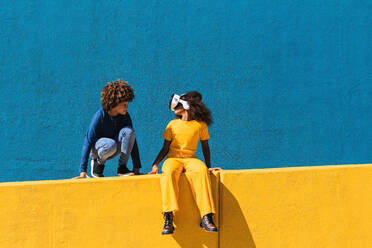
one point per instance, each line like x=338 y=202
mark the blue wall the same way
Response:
x=289 y=83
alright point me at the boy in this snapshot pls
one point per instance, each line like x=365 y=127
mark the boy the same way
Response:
x=111 y=133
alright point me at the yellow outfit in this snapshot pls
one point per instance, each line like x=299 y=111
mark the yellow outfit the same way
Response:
x=184 y=137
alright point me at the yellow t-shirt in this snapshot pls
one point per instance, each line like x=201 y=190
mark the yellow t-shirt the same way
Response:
x=184 y=137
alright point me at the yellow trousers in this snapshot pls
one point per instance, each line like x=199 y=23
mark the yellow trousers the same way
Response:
x=198 y=176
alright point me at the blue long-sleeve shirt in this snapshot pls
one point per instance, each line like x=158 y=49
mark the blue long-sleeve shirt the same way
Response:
x=104 y=125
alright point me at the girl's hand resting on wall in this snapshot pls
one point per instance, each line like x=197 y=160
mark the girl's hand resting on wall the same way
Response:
x=215 y=169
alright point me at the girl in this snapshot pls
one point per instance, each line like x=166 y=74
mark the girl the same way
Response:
x=181 y=140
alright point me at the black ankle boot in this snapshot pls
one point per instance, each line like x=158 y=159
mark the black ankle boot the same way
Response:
x=168 y=223
x=207 y=223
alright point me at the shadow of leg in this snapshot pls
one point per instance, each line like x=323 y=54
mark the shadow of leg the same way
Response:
x=234 y=230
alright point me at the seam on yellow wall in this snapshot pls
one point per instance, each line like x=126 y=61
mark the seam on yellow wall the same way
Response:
x=219 y=188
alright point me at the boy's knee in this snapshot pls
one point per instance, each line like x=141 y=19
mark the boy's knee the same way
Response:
x=127 y=131
x=106 y=149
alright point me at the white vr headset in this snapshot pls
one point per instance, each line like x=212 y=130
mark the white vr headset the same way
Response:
x=176 y=99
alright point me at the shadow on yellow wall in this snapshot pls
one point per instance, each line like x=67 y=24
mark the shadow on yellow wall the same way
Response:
x=233 y=223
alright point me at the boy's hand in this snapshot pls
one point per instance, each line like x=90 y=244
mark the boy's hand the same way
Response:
x=82 y=175
x=215 y=169
x=155 y=170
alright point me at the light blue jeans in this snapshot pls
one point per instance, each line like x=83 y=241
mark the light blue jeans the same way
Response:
x=106 y=148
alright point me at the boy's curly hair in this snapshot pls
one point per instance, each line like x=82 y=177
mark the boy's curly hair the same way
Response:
x=198 y=111
x=114 y=93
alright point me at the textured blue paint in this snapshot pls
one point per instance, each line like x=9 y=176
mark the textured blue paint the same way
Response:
x=288 y=82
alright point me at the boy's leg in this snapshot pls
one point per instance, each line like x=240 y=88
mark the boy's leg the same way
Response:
x=103 y=149
x=198 y=176
x=126 y=139
x=172 y=169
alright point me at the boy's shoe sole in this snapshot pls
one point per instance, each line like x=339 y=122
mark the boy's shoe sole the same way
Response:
x=126 y=174
x=123 y=171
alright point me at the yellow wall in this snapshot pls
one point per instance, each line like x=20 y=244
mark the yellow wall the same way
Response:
x=105 y=212
x=328 y=206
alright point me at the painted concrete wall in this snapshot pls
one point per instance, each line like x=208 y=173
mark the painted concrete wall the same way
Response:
x=325 y=207
x=108 y=212
x=288 y=82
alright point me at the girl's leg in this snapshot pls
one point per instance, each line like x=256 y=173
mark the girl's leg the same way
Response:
x=198 y=176
x=172 y=169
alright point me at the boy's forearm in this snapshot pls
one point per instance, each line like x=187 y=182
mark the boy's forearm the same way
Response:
x=84 y=156
x=89 y=140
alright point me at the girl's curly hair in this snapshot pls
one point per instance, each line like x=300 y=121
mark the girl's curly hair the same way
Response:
x=198 y=111
x=114 y=93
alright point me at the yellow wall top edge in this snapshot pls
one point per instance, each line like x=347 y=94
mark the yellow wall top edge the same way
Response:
x=297 y=168
x=142 y=177
x=68 y=181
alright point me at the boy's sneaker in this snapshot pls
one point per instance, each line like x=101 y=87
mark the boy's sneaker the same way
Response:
x=96 y=168
x=124 y=171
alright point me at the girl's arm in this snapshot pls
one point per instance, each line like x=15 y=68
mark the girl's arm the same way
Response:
x=163 y=152
x=207 y=155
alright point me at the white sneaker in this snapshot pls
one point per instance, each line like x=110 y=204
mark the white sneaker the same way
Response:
x=126 y=174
